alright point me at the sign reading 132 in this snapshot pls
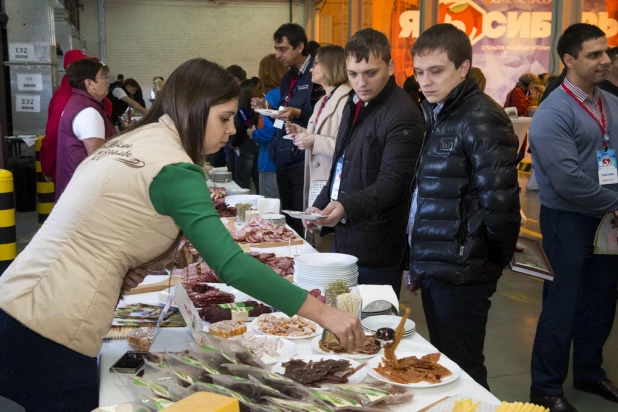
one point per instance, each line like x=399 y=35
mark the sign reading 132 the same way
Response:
x=21 y=52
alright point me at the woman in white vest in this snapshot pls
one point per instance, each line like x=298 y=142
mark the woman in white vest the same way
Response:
x=124 y=208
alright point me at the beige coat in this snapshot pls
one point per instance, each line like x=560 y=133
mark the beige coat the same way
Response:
x=319 y=159
x=66 y=283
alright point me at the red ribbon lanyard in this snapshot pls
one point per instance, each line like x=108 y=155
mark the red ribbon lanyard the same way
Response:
x=602 y=124
x=358 y=109
x=317 y=117
x=292 y=86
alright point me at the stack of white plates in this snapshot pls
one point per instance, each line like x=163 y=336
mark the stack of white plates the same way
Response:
x=373 y=323
x=321 y=269
x=220 y=176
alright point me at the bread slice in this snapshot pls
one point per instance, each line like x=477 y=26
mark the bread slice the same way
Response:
x=227 y=328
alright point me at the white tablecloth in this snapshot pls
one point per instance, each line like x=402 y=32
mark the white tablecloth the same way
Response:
x=176 y=339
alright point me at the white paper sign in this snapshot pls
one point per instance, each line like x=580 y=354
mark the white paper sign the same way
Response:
x=188 y=312
x=29 y=82
x=21 y=52
x=28 y=103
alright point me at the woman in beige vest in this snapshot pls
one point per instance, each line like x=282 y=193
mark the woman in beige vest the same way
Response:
x=124 y=208
x=318 y=140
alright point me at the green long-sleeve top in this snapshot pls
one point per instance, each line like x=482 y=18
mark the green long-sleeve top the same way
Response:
x=180 y=192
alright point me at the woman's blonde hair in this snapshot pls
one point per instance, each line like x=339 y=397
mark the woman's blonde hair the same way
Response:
x=332 y=60
x=271 y=72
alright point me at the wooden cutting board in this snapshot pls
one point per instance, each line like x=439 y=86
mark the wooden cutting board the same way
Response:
x=154 y=287
x=231 y=223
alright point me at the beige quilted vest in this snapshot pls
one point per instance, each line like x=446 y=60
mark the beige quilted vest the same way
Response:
x=66 y=283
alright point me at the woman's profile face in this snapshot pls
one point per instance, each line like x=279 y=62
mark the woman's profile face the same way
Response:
x=220 y=126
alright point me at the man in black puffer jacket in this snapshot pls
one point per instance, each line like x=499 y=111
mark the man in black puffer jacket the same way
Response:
x=464 y=220
x=367 y=195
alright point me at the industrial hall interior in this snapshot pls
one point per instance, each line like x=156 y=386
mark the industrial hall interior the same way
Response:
x=308 y=205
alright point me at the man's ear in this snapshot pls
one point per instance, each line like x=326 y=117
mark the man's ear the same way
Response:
x=569 y=61
x=464 y=69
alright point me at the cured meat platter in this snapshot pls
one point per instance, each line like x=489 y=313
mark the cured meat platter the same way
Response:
x=262 y=231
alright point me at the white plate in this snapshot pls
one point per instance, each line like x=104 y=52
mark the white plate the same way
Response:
x=373 y=323
x=303 y=215
x=234 y=200
x=287 y=351
x=315 y=345
x=256 y=329
x=288 y=137
x=355 y=378
x=267 y=112
x=329 y=260
x=444 y=361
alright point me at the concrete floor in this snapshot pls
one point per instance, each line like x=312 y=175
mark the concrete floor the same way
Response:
x=510 y=331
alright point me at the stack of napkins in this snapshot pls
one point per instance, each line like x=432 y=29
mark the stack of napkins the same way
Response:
x=269 y=206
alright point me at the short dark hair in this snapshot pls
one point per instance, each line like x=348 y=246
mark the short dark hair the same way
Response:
x=120 y=76
x=131 y=83
x=312 y=47
x=572 y=40
x=190 y=92
x=613 y=53
x=447 y=38
x=238 y=72
x=366 y=42
x=295 y=35
x=85 y=69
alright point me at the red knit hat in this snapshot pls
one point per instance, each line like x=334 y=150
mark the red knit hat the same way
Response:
x=73 y=56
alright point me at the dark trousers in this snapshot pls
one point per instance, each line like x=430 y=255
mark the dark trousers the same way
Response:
x=217 y=159
x=291 y=182
x=244 y=168
x=44 y=376
x=579 y=305
x=457 y=319
x=390 y=275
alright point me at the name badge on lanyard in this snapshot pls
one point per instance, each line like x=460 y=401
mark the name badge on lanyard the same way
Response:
x=606 y=163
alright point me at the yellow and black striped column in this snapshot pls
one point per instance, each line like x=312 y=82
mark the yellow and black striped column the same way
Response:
x=45 y=190
x=8 y=236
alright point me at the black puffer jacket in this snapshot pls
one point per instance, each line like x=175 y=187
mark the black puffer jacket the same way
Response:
x=381 y=150
x=467 y=221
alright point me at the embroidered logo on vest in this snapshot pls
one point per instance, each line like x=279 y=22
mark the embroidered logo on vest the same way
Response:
x=134 y=163
x=116 y=147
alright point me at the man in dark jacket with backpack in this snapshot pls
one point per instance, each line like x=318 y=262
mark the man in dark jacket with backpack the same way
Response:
x=298 y=97
x=367 y=195
x=464 y=220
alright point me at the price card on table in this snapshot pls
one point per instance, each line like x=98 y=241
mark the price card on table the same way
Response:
x=21 y=52
x=29 y=82
x=189 y=312
x=28 y=103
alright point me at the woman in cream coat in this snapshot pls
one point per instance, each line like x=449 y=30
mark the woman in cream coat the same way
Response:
x=318 y=140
